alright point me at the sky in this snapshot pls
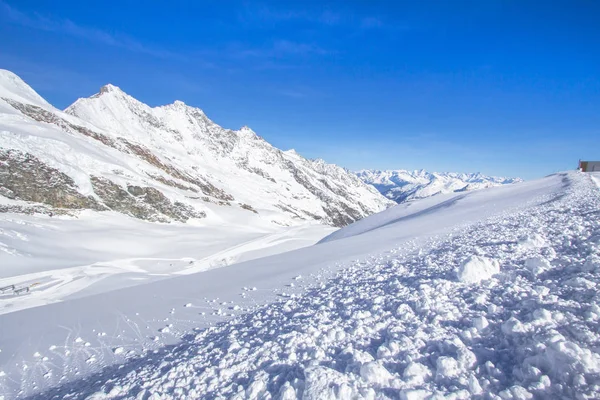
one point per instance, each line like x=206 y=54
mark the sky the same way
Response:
x=506 y=88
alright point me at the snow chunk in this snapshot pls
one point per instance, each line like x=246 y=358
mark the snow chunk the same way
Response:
x=592 y=263
x=565 y=357
x=516 y=392
x=532 y=241
x=324 y=383
x=447 y=367
x=537 y=265
x=480 y=323
x=416 y=373
x=513 y=326
x=415 y=394
x=579 y=282
x=477 y=268
x=375 y=373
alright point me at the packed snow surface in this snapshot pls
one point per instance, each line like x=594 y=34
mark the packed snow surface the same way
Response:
x=378 y=313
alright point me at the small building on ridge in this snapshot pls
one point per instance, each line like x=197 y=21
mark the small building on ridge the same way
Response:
x=589 y=166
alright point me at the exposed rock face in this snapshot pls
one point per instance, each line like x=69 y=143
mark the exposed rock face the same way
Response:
x=24 y=177
x=142 y=202
x=169 y=163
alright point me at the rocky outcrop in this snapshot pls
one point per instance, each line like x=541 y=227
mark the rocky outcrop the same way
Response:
x=25 y=177
x=145 y=203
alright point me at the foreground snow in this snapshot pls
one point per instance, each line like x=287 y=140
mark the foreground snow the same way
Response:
x=422 y=311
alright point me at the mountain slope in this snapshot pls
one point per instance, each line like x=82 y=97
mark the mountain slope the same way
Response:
x=403 y=185
x=170 y=163
x=490 y=292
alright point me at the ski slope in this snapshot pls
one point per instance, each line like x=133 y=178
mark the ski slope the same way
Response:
x=493 y=291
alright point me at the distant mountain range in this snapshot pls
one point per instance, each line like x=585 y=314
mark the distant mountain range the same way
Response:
x=111 y=152
x=403 y=185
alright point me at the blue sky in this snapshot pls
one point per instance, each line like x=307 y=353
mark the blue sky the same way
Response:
x=500 y=87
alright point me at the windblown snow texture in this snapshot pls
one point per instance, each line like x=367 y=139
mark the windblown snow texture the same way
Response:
x=505 y=307
x=403 y=185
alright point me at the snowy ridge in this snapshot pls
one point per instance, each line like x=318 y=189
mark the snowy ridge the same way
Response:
x=13 y=87
x=283 y=179
x=403 y=185
x=169 y=163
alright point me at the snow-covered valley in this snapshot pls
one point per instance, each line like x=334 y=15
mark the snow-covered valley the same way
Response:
x=485 y=293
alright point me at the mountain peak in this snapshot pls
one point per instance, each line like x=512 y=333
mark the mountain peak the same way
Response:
x=110 y=88
x=13 y=87
x=248 y=132
x=6 y=75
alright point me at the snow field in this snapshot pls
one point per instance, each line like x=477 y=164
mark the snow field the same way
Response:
x=109 y=252
x=405 y=325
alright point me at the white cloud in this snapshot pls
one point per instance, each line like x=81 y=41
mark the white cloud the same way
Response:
x=68 y=27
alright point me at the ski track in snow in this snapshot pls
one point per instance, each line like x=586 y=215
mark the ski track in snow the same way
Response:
x=403 y=325
x=47 y=287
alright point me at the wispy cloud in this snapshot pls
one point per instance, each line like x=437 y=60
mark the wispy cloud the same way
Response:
x=371 y=22
x=68 y=27
x=278 y=49
x=338 y=18
x=294 y=94
x=264 y=13
x=289 y=47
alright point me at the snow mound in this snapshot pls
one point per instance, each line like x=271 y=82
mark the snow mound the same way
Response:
x=477 y=268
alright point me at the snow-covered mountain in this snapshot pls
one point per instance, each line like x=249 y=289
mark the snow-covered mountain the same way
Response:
x=402 y=185
x=170 y=163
